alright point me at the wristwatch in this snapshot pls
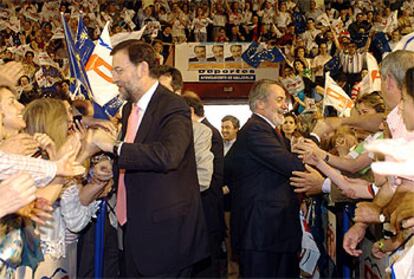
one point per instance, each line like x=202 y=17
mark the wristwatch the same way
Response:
x=117 y=145
x=381 y=218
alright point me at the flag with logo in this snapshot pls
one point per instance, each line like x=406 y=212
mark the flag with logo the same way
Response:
x=79 y=83
x=336 y=97
x=380 y=45
x=333 y=66
x=99 y=71
x=373 y=73
x=83 y=44
x=256 y=53
x=406 y=43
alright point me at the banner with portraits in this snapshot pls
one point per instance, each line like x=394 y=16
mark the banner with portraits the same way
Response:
x=219 y=62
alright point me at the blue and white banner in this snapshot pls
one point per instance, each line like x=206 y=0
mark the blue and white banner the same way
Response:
x=99 y=71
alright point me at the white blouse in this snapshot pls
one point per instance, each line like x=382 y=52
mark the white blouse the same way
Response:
x=69 y=218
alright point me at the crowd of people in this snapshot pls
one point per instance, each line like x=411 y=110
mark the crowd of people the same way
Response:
x=179 y=197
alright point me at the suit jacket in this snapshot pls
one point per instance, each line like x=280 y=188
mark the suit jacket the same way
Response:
x=165 y=230
x=212 y=199
x=213 y=59
x=265 y=210
x=204 y=157
x=195 y=59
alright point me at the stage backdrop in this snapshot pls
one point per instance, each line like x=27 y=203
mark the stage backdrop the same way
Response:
x=219 y=62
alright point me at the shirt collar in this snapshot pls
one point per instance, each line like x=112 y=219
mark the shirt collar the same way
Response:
x=229 y=142
x=201 y=119
x=146 y=98
x=267 y=120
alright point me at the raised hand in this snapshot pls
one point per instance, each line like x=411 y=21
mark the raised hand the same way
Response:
x=102 y=171
x=91 y=122
x=16 y=192
x=104 y=140
x=21 y=144
x=308 y=182
x=400 y=150
x=46 y=143
x=353 y=237
x=67 y=166
x=355 y=188
x=12 y=71
x=367 y=212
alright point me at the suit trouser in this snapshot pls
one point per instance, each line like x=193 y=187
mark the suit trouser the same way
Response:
x=212 y=267
x=267 y=264
x=86 y=252
x=131 y=270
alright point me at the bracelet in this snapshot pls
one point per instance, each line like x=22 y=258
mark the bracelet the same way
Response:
x=371 y=190
x=381 y=245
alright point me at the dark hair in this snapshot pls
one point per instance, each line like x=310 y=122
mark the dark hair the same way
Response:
x=194 y=101
x=176 y=77
x=294 y=65
x=138 y=52
x=293 y=115
x=19 y=83
x=233 y=120
x=29 y=51
x=409 y=82
x=297 y=50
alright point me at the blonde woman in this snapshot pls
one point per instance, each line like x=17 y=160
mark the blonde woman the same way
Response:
x=72 y=212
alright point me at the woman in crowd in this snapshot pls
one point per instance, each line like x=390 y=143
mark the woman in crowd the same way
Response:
x=27 y=91
x=71 y=213
x=290 y=126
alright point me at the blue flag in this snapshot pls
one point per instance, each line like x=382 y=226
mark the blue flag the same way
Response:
x=256 y=54
x=79 y=83
x=299 y=21
x=333 y=66
x=379 y=45
x=84 y=44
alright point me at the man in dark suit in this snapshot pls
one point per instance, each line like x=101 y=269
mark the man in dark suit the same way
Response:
x=212 y=198
x=163 y=223
x=265 y=211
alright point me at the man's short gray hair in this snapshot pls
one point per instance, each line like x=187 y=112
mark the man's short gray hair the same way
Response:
x=259 y=91
x=396 y=64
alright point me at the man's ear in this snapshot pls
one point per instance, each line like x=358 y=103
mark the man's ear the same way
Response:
x=260 y=104
x=143 y=69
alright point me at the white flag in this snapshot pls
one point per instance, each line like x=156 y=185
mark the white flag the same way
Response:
x=123 y=36
x=99 y=70
x=336 y=97
x=406 y=43
x=324 y=20
x=361 y=88
x=373 y=73
x=392 y=22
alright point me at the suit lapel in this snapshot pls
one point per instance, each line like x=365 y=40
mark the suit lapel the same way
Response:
x=125 y=114
x=278 y=137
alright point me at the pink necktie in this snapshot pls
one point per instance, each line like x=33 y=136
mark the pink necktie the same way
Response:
x=121 y=203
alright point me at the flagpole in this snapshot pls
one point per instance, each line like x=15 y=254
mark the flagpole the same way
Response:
x=324 y=96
